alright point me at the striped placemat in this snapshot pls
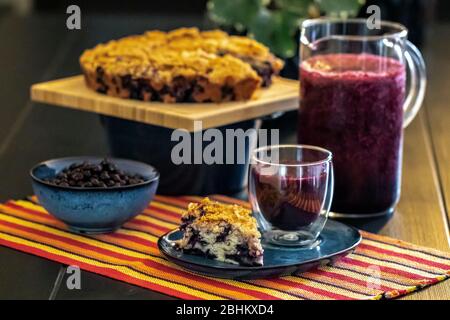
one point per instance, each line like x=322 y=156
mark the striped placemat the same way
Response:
x=380 y=267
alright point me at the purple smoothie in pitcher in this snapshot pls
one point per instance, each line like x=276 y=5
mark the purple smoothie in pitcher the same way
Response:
x=352 y=105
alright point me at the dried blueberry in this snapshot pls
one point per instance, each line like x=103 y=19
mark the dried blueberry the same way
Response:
x=77 y=176
x=115 y=177
x=104 y=176
x=85 y=174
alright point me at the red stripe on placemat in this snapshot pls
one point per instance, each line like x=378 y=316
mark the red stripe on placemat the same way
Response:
x=12 y=205
x=132 y=238
x=164 y=211
x=149 y=263
x=311 y=289
x=116 y=235
x=210 y=281
x=144 y=223
x=181 y=203
x=69 y=241
x=405 y=256
x=332 y=275
x=99 y=270
x=382 y=268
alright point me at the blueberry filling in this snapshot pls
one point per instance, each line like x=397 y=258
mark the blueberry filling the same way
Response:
x=103 y=88
x=140 y=89
x=262 y=68
x=224 y=234
x=245 y=260
x=186 y=221
x=243 y=257
x=199 y=252
x=195 y=237
x=227 y=93
x=242 y=250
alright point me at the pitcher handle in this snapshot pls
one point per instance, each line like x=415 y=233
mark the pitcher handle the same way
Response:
x=417 y=83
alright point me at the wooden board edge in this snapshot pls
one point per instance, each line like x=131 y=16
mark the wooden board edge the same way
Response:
x=38 y=95
x=39 y=92
x=284 y=105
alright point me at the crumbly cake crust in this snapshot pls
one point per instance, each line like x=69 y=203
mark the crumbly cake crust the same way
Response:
x=184 y=65
x=223 y=232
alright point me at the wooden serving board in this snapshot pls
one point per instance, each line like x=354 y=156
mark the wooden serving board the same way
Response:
x=72 y=93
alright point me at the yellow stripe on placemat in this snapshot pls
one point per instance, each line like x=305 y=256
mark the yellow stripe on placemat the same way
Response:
x=401 y=250
x=81 y=249
x=131 y=255
x=120 y=269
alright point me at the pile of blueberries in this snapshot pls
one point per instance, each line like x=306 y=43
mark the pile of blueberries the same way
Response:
x=90 y=175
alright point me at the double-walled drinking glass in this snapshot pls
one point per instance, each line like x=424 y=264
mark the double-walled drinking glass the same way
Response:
x=360 y=86
x=291 y=188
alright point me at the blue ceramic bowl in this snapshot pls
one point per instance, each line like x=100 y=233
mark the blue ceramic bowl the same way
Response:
x=94 y=210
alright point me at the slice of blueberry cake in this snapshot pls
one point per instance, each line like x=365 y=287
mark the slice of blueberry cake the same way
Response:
x=225 y=232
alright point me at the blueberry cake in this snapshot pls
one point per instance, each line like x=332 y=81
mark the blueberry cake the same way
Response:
x=224 y=232
x=184 y=65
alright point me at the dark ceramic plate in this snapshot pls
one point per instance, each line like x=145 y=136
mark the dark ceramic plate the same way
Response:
x=335 y=241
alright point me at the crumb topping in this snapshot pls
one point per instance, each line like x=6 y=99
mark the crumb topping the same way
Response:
x=213 y=212
x=183 y=52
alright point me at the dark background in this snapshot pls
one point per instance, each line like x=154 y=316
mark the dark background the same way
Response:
x=37 y=47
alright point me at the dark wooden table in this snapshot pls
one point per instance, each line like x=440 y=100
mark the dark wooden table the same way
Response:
x=39 y=47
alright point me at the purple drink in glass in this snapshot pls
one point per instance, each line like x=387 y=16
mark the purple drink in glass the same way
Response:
x=289 y=202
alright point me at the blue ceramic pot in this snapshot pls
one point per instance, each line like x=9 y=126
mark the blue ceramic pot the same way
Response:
x=94 y=210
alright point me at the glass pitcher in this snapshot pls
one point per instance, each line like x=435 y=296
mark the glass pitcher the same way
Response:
x=359 y=88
